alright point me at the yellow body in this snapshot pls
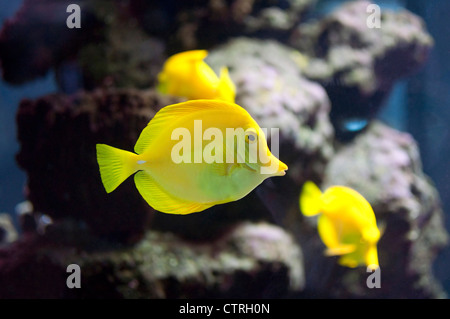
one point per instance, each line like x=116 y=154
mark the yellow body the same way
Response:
x=185 y=74
x=347 y=224
x=186 y=187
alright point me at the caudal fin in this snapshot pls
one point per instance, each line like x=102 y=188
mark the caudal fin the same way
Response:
x=310 y=199
x=116 y=165
x=226 y=88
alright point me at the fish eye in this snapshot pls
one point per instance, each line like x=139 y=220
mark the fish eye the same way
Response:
x=250 y=137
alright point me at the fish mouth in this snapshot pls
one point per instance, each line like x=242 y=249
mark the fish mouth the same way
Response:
x=281 y=173
x=274 y=170
x=282 y=168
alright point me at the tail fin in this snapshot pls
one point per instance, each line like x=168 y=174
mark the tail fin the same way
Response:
x=116 y=165
x=310 y=199
x=227 y=89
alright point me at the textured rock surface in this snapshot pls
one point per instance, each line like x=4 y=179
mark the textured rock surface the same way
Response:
x=122 y=43
x=57 y=135
x=206 y=23
x=37 y=39
x=126 y=58
x=8 y=232
x=356 y=64
x=250 y=261
x=384 y=166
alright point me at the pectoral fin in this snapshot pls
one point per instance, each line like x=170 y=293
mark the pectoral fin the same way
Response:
x=348 y=261
x=340 y=250
x=222 y=169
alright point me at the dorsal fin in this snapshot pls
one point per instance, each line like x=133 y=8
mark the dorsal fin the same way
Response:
x=192 y=55
x=173 y=113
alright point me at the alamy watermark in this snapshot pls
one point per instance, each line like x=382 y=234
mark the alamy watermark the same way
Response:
x=74 y=19
x=373 y=20
x=74 y=279
x=237 y=146
x=374 y=279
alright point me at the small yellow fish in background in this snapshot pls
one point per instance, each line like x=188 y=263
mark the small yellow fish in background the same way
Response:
x=182 y=187
x=185 y=74
x=347 y=225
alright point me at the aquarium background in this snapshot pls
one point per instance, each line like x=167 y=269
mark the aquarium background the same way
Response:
x=419 y=104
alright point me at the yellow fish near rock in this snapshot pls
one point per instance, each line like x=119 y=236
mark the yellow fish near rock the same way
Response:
x=185 y=74
x=347 y=224
x=193 y=155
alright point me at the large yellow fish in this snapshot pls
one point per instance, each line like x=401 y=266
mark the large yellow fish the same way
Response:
x=347 y=225
x=185 y=74
x=193 y=155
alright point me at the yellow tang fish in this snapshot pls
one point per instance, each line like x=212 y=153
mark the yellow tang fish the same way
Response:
x=347 y=225
x=185 y=74
x=193 y=155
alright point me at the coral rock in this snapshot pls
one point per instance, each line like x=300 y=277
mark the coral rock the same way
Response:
x=358 y=65
x=206 y=23
x=122 y=42
x=8 y=232
x=37 y=38
x=250 y=261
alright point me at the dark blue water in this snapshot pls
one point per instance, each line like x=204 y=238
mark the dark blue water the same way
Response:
x=12 y=179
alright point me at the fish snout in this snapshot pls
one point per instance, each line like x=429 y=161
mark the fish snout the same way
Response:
x=279 y=167
x=282 y=168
